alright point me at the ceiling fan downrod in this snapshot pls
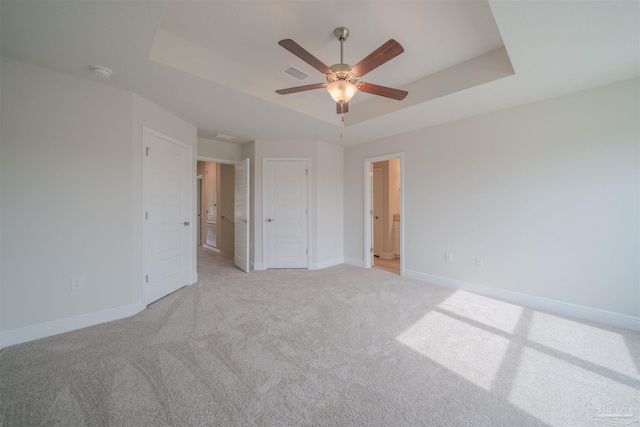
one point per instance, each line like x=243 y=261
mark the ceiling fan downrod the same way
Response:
x=342 y=33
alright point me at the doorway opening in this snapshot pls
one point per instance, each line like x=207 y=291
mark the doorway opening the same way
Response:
x=223 y=212
x=384 y=228
x=216 y=181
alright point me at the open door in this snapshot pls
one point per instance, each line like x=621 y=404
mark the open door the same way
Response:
x=241 y=223
x=377 y=212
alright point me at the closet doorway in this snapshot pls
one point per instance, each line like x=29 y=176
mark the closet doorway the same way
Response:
x=383 y=213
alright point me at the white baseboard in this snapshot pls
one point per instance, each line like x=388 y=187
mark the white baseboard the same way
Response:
x=42 y=330
x=354 y=262
x=387 y=255
x=210 y=248
x=326 y=264
x=257 y=266
x=532 y=301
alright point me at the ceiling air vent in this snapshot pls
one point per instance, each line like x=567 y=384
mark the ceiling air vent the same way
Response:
x=295 y=72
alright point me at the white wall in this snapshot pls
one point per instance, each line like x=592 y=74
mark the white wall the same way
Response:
x=546 y=193
x=219 y=150
x=329 y=211
x=71 y=199
x=325 y=197
x=66 y=196
x=0 y=201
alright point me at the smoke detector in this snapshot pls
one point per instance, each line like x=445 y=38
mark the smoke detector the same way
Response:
x=101 y=71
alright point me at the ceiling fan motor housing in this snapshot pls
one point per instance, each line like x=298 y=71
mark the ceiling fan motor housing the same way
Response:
x=341 y=72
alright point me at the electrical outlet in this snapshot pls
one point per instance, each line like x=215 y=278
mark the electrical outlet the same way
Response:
x=77 y=282
x=448 y=257
x=479 y=261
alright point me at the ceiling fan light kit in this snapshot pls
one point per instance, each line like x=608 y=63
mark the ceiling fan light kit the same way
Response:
x=342 y=91
x=342 y=79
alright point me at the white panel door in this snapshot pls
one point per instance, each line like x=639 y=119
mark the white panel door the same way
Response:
x=241 y=223
x=286 y=213
x=167 y=225
x=377 y=211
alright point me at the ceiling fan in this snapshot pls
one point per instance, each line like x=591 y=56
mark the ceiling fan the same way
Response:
x=342 y=79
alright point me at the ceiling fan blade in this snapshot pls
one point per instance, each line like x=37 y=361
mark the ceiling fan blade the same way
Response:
x=384 y=53
x=303 y=54
x=301 y=88
x=388 y=92
x=342 y=108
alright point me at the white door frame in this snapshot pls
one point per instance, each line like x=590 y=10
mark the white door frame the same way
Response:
x=199 y=209
x=368 y=207
x=191 y=208
x=242 y=176
x=264 y=203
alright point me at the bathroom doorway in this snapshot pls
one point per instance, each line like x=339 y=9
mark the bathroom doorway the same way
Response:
x=383 y=213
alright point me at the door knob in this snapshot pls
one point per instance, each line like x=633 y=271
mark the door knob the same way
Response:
x=186 y=223
x=269 y=220
x=376 y=217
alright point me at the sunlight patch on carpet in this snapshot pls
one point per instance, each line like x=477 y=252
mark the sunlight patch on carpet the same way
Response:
x=559 y=392
x=577 y=339
x=496 y=314
x=475 y=356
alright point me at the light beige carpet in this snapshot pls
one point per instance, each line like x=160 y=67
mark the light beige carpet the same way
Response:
x=337 y=347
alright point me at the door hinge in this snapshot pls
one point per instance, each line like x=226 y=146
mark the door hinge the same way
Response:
x=306 y=251
x=306 y=171
x=371 y=250
x=146 y=215
x=307 y=211
x=147 y=150
x=146 y=278
x=371 y=212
